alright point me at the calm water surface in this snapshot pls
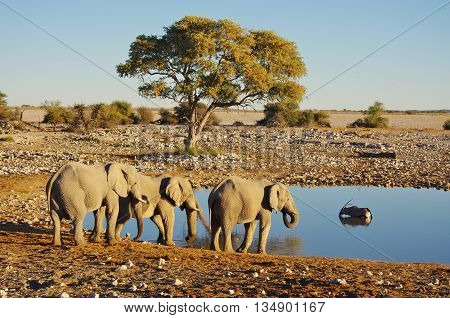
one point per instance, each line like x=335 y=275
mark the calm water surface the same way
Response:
x=408 y=225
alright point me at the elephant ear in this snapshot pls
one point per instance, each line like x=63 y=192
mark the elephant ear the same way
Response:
x=173 y=191
x=117 y=180
x=274 y=196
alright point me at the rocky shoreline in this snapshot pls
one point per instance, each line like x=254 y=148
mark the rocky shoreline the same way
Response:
x=305 y=157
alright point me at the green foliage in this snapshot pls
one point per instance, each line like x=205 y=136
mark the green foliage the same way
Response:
x=143 y=115
x=196 y=151
x=374 y=118
x=57 y=114
x=3 y=99
x=167 y=117
x=446 y=125
x=312 y=118
x=82 y=117
x=287 y=114
x=200 y=59
x=106 y=116
x=124 y=108
x=6 y=139
x=6 y=113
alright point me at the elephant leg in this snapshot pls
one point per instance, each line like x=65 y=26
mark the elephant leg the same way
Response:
x=264 y=228
x=56 y=228
x=249 y=232
x=168 y=218
x=79 y=235
x=112 y=212
x=215 y=232
x=227 y=229
x=121 y=220
x=157 y=219
x=98 y=227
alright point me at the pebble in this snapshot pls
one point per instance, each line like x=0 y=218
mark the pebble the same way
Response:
x=133 y=288
x=3 y=293
x=65 y=295
x=115 y=282
x=263 y=292
x=178 y=282
x=128 y=236
x=161 y=261
x=436 y=281
x=122 y=268
x=398 y=286
x=231 y=292
x=340 y=281
x=94 y=295
x=288 y=271
x=369 y=273
x=129 y=263
x=255 y=274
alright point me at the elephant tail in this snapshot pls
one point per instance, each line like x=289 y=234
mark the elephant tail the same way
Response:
x=49 y=186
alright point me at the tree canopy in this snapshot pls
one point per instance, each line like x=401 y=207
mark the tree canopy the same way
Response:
x=216 y=62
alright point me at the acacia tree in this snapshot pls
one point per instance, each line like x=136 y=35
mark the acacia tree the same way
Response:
x=218 y=63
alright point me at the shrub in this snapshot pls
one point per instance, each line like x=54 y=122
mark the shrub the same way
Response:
x=143 y=115
x=106 y=116
x=57 y=114
x=238 y=123
x=167 y=117
x=446 y=125
x=373 y=119
x=6 y=114
x=281 y=114
x=82 y=117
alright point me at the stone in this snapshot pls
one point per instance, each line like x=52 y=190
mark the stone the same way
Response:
x=122 y=268
x=3 y=293
x=339 y=281
x=231 y=291
x=65 y=295
x=161 y=261
x=178 y=282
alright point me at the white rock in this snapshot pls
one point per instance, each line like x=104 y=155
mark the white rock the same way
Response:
x=369 y=273
x=161 y=261
x=288 y=271
x=340 y=281
x=133 y=288
x=115 y=282
x=231 y=292
x=263 y=292
x=122 y=268
x=129 y=263
x=143 y=286
x=3 y=293
x=398 y=286
x=178 y=282
x=436 y=281
x=216 y=256
x=65 y=295
x=255 y=274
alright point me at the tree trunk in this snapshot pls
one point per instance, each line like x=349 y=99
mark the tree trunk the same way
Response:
x=196 y=127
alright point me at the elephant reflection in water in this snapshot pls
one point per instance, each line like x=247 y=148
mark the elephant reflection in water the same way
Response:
x=355 y=220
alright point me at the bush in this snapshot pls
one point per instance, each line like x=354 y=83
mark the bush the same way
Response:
x=373 y=119
x=288 y=115
x=6 y=114
x=446 y=125
x=167 y=117
x=238 y=123
x=107 y=116
x=57 y=114
x=82 y=117
x=143 y=115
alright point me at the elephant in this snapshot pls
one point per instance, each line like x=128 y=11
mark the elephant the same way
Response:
x=76 y=189
x=355 y=221
x=162 y=193
x=236 y=200
x=354 y=211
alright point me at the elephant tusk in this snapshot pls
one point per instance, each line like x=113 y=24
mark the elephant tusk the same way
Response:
x=141 y=200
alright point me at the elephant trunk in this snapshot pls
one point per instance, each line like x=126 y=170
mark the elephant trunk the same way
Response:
x=294 y=219
x=192 y=225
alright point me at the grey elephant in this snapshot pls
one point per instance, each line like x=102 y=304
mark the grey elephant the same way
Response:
x=162 y=193
x=355 y=221
x=236 y=200
x=76 y=189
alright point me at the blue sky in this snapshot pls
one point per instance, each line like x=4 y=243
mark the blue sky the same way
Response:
x=413 y=72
